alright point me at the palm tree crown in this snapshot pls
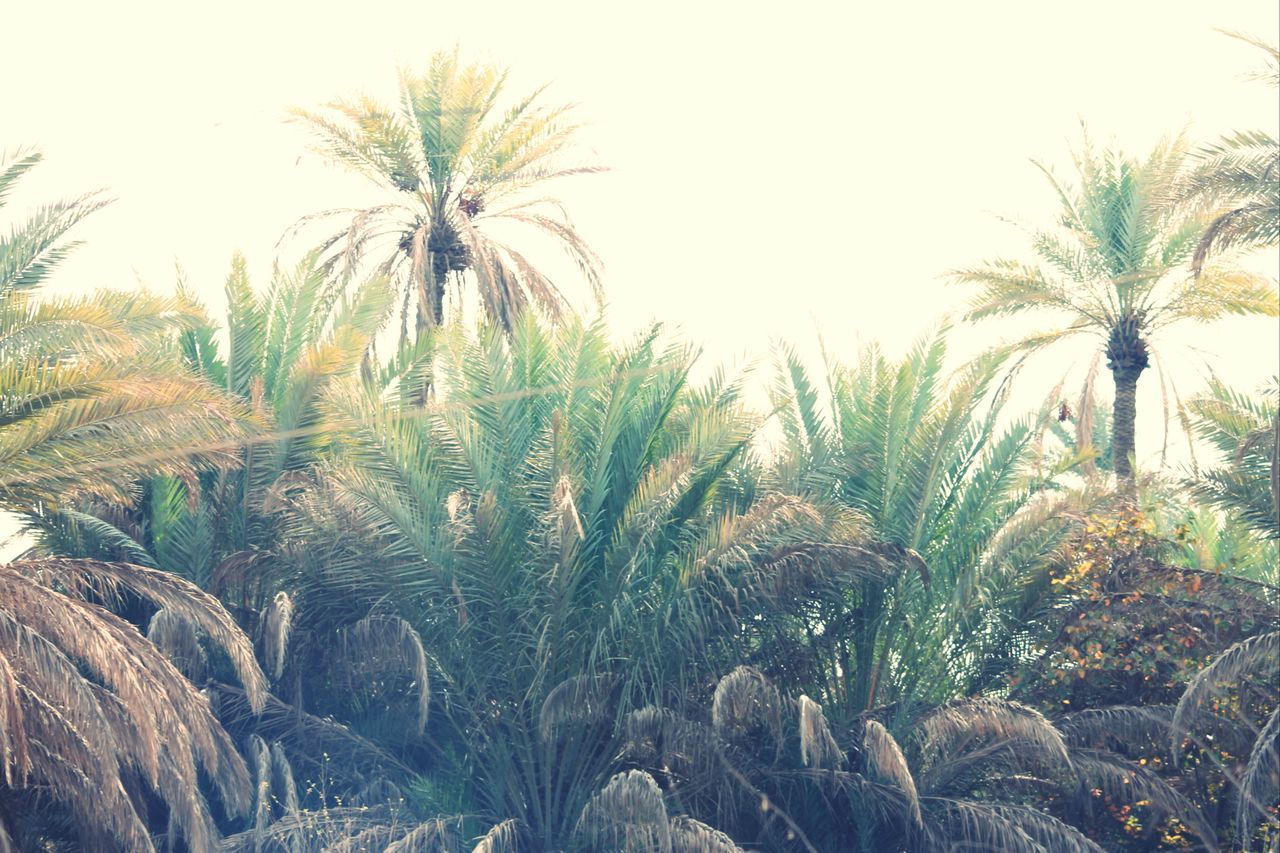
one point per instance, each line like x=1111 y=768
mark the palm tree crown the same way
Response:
x=453 y=168
x=1119 y=265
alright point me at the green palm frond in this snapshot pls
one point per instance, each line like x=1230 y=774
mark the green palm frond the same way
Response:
x=556 y=522
x=1237 y=180
x=924 y=458
x=35 y=246
x=1246 y=431
x=1218 y=292
x=89 y=399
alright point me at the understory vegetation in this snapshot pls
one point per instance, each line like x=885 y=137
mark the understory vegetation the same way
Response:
x=350 y=568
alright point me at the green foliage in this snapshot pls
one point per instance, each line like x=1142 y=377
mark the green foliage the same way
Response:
x=1246 y=431
x=88 y=402
x=1237 y=179
x=971 y=504
x=566 y=529
x=457 y=174
x=526 y=588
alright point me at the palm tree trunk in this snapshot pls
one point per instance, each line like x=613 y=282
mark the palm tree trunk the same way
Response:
x=1124 y=414
x=439 y=279
x=1127 y=357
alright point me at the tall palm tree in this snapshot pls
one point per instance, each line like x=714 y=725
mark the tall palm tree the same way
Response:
x=92 y=714
x=1119 y=266
x=457 y=173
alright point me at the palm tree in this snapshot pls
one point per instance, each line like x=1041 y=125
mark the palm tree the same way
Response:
x=92 y=714
x=457 y=173
x=1119 y=266
x=1238 y=177
x=975 y=505
x=283 y=347
x=569 y=532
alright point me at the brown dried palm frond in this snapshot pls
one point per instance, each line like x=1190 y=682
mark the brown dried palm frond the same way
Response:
x=282 y=780
x=360 y=837
x=439 y=835
x=275 y=792
x=85 y=699
x=785 y=546
x=1144 y=727
x=744 y=699
x=1007 y=827
x=627 y=814
x=886 y=759
x=583 y=699
x=685 y=752
x=261 y=755
x=501 y=838
x=108 y=582
x=334 y=829
x=307 y=738
x=276 y=624
x=1054 y=835
x=1145 y=730
x=950 y=729
x=818 y=747
x=377 y=641
x=175 y=636
x=566 y=527
x=692 y=836
x=377 y=790
x=966 y=825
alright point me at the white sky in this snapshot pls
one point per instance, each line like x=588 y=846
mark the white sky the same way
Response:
x=777 y=170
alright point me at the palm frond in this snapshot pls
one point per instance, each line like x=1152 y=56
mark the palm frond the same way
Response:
x=1260 y=785
x=888 y=762
x=501 y=838
x=627 y=814
x=692 y=836
x=1257 y=657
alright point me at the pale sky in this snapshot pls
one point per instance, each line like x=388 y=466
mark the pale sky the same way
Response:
x=776 y=170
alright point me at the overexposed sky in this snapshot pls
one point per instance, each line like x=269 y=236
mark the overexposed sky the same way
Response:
x=777 y=170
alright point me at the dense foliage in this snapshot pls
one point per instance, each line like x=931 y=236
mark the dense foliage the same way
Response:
x=324 y=576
